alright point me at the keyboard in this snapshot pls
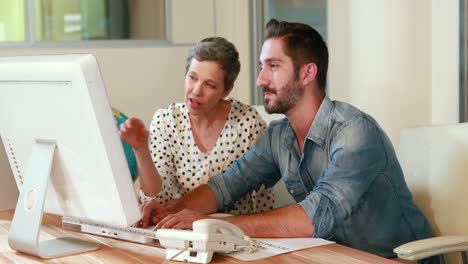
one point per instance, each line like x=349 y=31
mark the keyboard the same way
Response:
x=133 y=234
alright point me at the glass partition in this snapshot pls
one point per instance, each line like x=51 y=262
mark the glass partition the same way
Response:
x=75 y=20
x=81 y=20
x=12 y=21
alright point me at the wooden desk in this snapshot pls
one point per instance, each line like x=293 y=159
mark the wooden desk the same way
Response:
x=117 y=251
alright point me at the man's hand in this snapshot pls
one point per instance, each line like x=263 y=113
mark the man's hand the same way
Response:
x=156 y=214
x=133 y=132
x=181 y=220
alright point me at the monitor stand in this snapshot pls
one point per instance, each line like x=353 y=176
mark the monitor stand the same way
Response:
x=27 y=220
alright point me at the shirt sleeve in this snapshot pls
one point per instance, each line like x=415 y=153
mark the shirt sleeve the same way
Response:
x=356 y=157
x=263 y=199
x=161 y=152
x=246 y=174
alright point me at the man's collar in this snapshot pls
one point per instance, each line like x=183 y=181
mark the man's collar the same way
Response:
x=319 y=127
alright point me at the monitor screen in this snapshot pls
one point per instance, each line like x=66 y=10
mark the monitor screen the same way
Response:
x=57 y=106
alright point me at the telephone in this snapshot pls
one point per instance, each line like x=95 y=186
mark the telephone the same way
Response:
x=208 y=236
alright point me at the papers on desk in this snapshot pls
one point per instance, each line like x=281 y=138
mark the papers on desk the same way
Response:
x=268 y=247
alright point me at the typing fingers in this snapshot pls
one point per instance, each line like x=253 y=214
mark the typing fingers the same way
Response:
x=138 y=223
x=148 y=214
x=181 y=220
x=155 y=220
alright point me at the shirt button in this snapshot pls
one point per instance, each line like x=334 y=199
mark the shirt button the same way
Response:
x=291 y=191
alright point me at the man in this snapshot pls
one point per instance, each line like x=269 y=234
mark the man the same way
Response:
x=336 y=161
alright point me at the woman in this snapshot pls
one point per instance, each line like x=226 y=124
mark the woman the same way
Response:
x=192 y=141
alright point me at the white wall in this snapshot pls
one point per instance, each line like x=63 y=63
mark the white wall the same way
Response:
x=191 y=20
x=232 y=22
x=445 y=62
x=385 y=59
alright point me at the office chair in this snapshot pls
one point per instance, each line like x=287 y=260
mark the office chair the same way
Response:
x=435 y=164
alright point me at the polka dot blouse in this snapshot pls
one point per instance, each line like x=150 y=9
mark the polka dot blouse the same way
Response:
x=183 y=167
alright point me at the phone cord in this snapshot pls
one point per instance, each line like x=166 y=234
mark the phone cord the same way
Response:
x=251 y=247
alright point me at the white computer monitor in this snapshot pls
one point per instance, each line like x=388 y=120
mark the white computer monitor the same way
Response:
x=63 y=147
x=8 y=189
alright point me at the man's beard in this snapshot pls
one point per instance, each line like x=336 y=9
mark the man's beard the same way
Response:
x=286 y=98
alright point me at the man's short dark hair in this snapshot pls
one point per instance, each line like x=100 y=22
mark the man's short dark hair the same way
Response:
x=303 y=45
x=222 y=52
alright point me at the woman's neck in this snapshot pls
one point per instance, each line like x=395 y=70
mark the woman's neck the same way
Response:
x=219 y=113
x=206 y=129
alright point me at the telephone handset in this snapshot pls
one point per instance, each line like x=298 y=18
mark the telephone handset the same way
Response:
x=208 y=236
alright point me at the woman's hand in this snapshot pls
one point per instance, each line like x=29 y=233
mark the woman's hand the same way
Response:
x=133 y=132
x=153 y=212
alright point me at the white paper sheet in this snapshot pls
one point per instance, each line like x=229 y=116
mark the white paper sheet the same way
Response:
x=268 y=247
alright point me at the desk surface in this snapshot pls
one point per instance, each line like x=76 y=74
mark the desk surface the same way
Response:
x=117 y=251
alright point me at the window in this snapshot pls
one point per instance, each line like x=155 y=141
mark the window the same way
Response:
x=12 y=21
x=81 y=20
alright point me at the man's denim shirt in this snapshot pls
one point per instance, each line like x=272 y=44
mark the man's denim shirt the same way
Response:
x=348 y=179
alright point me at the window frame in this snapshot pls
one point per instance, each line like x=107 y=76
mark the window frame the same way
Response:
x=257 y=15
x=30 y=35
x=463 y=61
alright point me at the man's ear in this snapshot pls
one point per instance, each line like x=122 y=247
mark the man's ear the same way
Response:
x=309 y=72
